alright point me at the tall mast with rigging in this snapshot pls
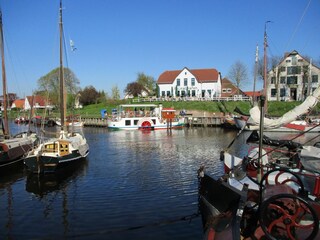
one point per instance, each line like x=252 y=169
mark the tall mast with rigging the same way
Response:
x=62 y=88
x=265 y=80
x=4 y=84
x=255 y=75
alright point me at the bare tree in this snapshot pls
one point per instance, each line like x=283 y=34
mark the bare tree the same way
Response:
x=238 y=74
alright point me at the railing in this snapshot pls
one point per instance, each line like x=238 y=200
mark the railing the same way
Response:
x=179 y=99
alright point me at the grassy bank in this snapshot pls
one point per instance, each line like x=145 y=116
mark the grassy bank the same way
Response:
x=274 y=108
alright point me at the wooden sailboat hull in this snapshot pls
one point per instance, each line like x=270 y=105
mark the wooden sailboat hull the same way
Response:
x=13 y=150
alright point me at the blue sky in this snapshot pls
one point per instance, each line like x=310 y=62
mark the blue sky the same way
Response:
x=116 y=39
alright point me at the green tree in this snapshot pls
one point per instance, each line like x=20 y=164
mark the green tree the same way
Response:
x=89 y=95
x=147 y=81
x=49 y=84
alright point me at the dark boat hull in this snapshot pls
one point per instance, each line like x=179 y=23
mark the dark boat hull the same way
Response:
x=218 y=205
x=13 y=157
x=49 y=164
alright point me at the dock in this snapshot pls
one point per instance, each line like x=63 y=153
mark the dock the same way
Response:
x=94 y=122
x=204 y=121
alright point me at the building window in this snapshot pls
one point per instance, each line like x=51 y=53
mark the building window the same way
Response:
x=209 y=93
x=229 y=90
x=224 y=90
x=163 y=93
x=288 y=60
x=193 y=93
x=283 y=80
x=183 y=93
x=273 y=92
x=273 y=80
x=178 y=81
x=193 y=82
x=282 y=92
x=294 y=70
x=185 y=82
x=168 y=93
x=294 y=60
x=282 y=69
x=292 y=80
x=314 y=78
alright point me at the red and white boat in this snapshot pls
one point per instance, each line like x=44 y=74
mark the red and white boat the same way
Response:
x=144 y=117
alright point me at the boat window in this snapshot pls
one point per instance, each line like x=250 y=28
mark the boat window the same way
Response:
x=64 y=148
x=135 y=122
x=128 y=122
x=51 y=147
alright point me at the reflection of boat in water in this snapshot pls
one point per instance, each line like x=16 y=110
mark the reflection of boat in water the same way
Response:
x=145 y=117
x=43 y=184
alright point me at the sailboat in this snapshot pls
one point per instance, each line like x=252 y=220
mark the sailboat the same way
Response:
x=12 y=148
x=69 y=147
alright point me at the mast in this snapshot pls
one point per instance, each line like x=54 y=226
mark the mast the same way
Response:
x=255 y=74
x=265 y=86
x=309 y=79
x=62 y=91
x=4 y=84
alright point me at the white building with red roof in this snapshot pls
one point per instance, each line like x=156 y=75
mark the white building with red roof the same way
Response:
x=39 y=102
x=198 y=83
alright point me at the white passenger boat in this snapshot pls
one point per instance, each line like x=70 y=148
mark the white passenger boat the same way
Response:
x=144 y=117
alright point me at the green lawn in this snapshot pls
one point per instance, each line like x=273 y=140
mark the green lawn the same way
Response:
x=274 y=108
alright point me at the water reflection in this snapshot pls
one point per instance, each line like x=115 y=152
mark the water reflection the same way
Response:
x=41 y=185
x=130 y=178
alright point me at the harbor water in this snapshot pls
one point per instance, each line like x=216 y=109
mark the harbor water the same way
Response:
x=133 y=185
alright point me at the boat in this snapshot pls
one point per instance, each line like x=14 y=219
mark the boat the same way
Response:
x=262 y=198
x=12 y=148
x=69 y=148
x=243 y=123
x=274 y=210
x=72 y=121
x=144 y=117
x=271 y=193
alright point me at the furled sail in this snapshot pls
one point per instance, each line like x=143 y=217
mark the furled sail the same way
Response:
x=288 y=117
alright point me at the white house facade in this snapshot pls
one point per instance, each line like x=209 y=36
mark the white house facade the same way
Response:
x=293 y=79
x=197 y=83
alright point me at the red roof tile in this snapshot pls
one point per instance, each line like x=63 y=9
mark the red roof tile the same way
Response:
x=202 y=75
x=38 y=100
x=19 y=103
